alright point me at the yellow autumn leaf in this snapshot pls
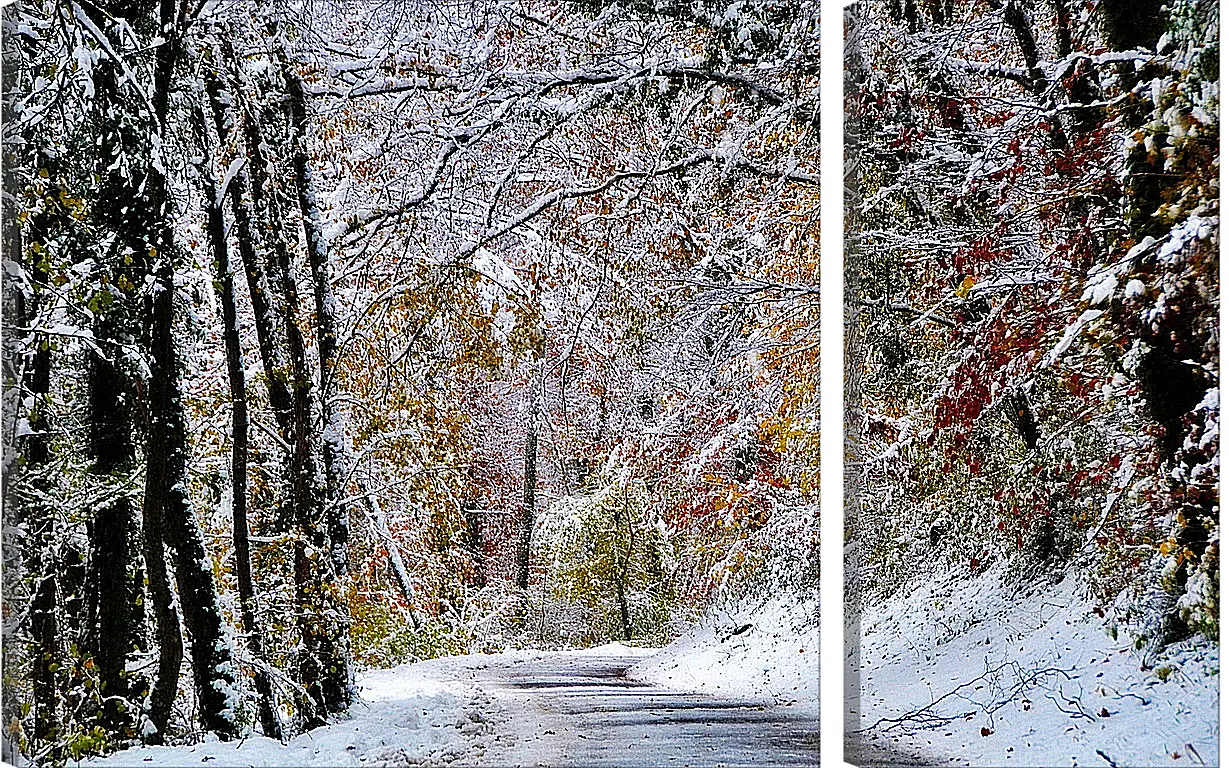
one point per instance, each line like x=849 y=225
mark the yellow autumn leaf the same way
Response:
x=965 y=286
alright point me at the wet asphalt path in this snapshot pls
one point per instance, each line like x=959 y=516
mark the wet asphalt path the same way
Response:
x=583 y=711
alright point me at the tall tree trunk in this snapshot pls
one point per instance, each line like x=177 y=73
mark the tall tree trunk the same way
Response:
x=277 y=369
x=44 y=629
x=168 y=507
x=167 y=503
x=110 y=636
x=323 y=661
x=27 y=374
x=323 y=666
x=529 y=492
x=475 y=520
x=270 y=343
x=166 y=622
x=35 y=450
x=336 y=460
x=623 y=562
x=853 y=364
x=114 y=384
x=335 y=463
x=225 y=286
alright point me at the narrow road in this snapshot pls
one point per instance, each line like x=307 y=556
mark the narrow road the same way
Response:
x=574 y=709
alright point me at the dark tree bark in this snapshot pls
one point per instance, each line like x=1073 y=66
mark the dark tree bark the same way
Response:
x=323 y=665
x=167 y=505
x=335 y=463
x=110 y=635
x=44 y=628
x=1021 y=27
x=166 y=623
x=165 y=685
x=169 y=512
x=114 y=384
x=1081 y=84
x=336 y=460
x=475 y=522
x=166 y=498
x=856 y=351
x=1132 y=24
x=623 y=562
x=277 y=369
x=272 y=355
x=22 y=312
x=274 y=295
x=1020 y=414
x=159 y=477
x=225 y=287
x=529 y=492
x=27 y=370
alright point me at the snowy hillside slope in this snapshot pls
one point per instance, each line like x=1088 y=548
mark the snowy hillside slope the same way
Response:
x=767 y=650
x=977 y=672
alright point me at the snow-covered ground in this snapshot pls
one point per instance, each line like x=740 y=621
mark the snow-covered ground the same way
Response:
x=404 y=718
x=434 y=712
x=973 y=672
x=774 y=657
x=470 y=710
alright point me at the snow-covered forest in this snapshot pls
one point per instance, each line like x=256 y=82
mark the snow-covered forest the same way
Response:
x=1034 y=230
x=341 y=335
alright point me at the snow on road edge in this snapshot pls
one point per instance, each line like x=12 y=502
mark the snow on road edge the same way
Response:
x=767 y=650
x=402 y=719
x=434 y=712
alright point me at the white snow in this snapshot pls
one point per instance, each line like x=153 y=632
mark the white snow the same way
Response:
x=973 y=672
x=460 y=709
x=775 y=658
x=433 y=712
x=1070 y=335
x=406 y=717
x=1101 y=286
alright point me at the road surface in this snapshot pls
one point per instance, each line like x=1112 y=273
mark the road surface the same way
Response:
x=573 y=709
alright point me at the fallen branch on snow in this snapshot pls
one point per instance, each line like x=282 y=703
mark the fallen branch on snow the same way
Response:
x=1000 y=696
